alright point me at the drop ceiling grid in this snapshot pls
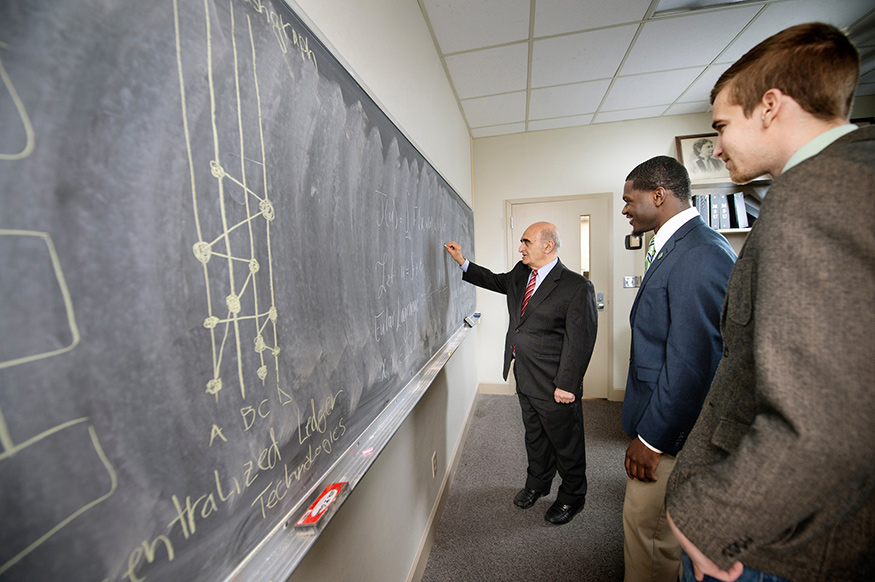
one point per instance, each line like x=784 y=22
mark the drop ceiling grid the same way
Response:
x=564 y=68
x=491 y=71
x=563 y=16
x=777 y=16
x=461 y=25
x=685 y=41
x=649 y=89
x=567 y=100
x=584 y=56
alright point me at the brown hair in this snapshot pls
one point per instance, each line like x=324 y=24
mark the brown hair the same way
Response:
x=814 y=63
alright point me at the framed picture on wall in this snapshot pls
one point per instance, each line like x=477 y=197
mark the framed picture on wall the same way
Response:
x=696 y=153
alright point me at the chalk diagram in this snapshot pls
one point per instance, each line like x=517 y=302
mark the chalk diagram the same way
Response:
x=22 y=113
x=34 y=261
x=232 y=302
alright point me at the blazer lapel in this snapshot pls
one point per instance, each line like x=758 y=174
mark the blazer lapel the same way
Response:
x=666 y=249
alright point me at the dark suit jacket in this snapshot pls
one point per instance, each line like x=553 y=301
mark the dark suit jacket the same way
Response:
x=676 y=343
x=779 y=470
x=555 y=337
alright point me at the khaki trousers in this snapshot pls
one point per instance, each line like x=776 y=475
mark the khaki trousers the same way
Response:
x=651 y=552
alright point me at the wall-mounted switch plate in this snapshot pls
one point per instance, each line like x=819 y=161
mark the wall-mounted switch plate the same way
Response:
x=633 y=281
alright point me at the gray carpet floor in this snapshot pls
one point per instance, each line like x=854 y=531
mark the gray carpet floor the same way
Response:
x=483 y=536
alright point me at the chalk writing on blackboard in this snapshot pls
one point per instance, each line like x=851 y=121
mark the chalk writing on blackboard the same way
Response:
x=27 y=126
x=27 y=247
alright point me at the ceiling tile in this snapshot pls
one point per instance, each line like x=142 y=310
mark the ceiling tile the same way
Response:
x=567 y=100
x=648 y=90
x=863 y=32
x=685 y=41
x=700 y=90
x=560 y=16
x=460 y=26
x=580 y=57
x=780 y=15
x=494 y=110
x=685 y=108
x=572 y=121
x=490 y=71
x=664 y=6
x=866 y=89
x=498 y=130
x=610 y=116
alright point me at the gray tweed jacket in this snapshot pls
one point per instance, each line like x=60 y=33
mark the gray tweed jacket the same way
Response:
x=779 y=470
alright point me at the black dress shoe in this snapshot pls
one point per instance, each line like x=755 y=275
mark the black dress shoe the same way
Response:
x=526 y=498
x=561 y=513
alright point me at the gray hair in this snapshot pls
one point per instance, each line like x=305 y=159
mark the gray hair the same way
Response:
x=550 y=232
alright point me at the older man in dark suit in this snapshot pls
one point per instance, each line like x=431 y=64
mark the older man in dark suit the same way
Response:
x=778 y=474
x=550 y=339
x=676 y=346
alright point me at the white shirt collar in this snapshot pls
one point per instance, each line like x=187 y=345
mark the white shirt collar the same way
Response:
x=672 y=225
x=544 y=271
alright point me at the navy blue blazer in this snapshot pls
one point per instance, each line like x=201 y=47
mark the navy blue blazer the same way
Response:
x=676 y=342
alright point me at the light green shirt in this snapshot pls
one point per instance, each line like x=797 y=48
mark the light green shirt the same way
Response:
x=817 y=145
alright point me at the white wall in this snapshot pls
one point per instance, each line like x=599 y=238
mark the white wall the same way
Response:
x=380 y=530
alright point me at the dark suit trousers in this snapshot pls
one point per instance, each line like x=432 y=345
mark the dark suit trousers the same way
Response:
x=554 y=441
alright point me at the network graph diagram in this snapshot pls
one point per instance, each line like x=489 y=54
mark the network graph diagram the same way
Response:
x=234 y=273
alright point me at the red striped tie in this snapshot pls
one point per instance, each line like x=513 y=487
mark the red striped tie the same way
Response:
x=530 y=290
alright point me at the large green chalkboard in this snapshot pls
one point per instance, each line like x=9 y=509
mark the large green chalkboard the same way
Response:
x=219 y=261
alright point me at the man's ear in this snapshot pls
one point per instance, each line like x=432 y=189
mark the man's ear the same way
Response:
x=771 y=104
x=658 y=196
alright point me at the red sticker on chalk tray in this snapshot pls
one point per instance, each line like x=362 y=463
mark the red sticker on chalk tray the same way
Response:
x=321 y=505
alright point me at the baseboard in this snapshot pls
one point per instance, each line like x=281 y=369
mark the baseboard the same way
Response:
x=422 y=554
x=496 y=389
x=616 y=395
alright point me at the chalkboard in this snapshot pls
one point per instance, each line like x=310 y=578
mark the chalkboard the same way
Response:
x=219 y=262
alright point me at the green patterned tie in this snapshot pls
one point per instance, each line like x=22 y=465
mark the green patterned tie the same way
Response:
x=651 y=252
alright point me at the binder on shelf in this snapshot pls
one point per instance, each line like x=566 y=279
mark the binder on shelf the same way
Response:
x=752 y=206
x=722 y=203
x=737 y=211
x=715 y=210
x=703 y=205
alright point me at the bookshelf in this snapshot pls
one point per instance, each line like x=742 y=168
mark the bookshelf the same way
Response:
x=752 y=195
x=733 y=230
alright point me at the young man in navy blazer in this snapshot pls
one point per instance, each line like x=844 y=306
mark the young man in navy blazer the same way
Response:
x=549 y=338
x=676 y=346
